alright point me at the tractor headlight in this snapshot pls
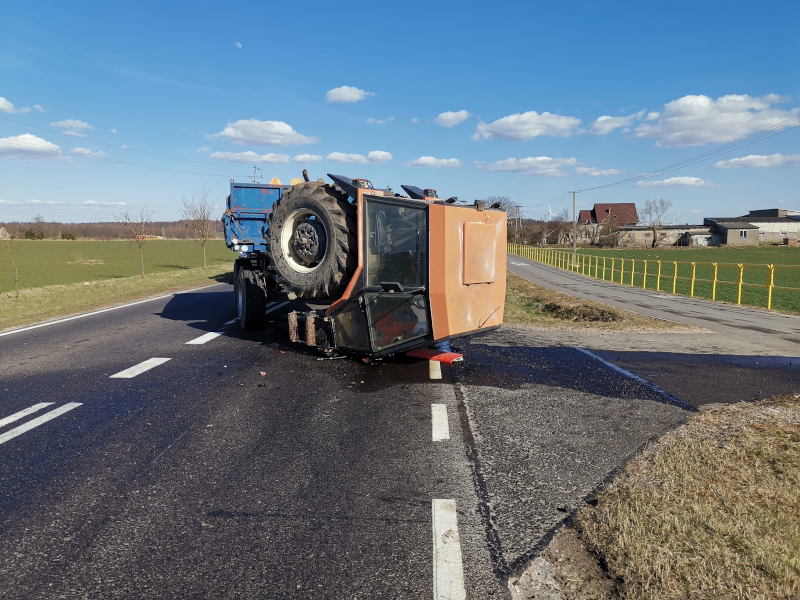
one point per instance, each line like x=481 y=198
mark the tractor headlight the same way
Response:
x=244 y=248
x=236 y=246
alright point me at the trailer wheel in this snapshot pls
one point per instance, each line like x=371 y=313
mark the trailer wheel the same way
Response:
x=251 y=299
x=312 y=238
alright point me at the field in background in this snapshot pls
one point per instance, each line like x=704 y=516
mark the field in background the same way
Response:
x=786 y=275
x=44 y=262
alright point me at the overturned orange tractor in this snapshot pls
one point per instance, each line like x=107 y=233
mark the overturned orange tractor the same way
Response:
x=377 y=272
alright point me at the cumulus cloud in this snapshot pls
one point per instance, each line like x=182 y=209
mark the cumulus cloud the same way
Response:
x=605 y=124
x=434 y=163
x=203 y=150
x=451 y=119
x=372 y=121
x=238 y=44
x=95 y=203
x=28 y=147
x=307 y=158
x=28 y=202
x=346 y=93
x=697 y=120
x=674 y=181
x=526 y=126
x=76 y=134
x=266 y=133
x=7 y=107
x=595 y=172
x=376 y=156
x=539 y=165
x=114 y=131
x=87 y=152
x=72 y=124
x=759 y=160
x=250 y=157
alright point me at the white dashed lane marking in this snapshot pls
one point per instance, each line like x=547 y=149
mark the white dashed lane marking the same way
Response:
x=440 y=428
x=12 y=433
x=435 y=369
x=448 y=572
x=276 y=307
x=24 y=413
x=205 y=337
x=140 y=368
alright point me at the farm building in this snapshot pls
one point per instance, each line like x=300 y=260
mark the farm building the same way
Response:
x=668 y=235
x=775 y=225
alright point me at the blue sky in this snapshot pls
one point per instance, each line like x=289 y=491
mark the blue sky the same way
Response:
x=526 y=99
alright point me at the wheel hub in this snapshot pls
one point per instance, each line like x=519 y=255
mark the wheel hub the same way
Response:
x=309 y=242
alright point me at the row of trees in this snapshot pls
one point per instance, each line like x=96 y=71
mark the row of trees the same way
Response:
x=39 y=229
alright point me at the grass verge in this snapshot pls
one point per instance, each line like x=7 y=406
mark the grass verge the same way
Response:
x=533 y=305
x=52 y=301
x=710 y=511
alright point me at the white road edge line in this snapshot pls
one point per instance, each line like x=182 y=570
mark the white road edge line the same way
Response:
x=140 y=368
x=97 y=312
x=206 y=337
x=12 y=433
x=24 y=413
x=435 y=369
x=638 y=379
x=448 y=571
x=440 y=430
x=276 y=307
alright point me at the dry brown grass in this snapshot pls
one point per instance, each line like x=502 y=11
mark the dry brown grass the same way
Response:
x=712 y=511
x=531 y=304
x=53 y=301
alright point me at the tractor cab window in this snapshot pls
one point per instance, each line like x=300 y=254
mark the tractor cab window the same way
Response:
x=397 y=240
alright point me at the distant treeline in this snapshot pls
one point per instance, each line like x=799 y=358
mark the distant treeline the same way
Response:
x=41 y=230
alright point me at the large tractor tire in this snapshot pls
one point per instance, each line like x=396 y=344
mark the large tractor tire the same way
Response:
x=251 y=299
x=312 y=240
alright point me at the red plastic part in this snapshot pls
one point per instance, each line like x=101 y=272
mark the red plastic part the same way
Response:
x=445 y=357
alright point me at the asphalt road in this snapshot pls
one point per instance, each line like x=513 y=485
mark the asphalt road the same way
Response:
x=201 y=478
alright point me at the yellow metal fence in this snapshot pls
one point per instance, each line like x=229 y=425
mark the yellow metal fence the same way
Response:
x=730 y=282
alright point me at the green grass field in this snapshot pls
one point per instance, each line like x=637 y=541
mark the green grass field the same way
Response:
x=58 y=278
x=618 y=264
x=42 y=263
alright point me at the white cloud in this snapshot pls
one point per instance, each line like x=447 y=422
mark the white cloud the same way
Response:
x=434 y=163
x=238 y=44
x=114 y=131
x=267 y=133
x=652 y=116
x=75 y=134
x=527 y=126
x=203 y=150
x=451 y=119
x=697 y=120
x=28 y=147
x=95 y=203
x=124 y=147
x=85 y=152
x=759 y=160
x=372 y=121
x=72 y=124
x=346 y=94
x=675 y=181
x=540 y=165
x=307 y=158
x=605 y=124
x=595 y=172
x=38 y=107
x=379 y=156
x=250 y=157
x=7 y=107
x=415 y=120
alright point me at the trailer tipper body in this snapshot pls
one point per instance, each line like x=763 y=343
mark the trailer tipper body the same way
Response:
x=394 y=272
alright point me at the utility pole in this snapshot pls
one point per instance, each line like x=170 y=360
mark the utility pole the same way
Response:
x=574 y=231
x=255 y=174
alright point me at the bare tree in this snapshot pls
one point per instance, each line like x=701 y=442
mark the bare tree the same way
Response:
x=198 y=211
x=512 y=212
x=653 y=215
x=5 y=241
x=139 y=228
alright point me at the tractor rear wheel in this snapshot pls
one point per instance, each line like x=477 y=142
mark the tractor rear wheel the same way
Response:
x=251 y=299
x=312 y=240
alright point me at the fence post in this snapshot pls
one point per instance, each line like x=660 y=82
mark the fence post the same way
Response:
x=771 y=285
x=674 y=275
x=658 y=278
x=604 y=268
x=613 y=264
x=694 y=271
x=644 y=278
x=741 y=276
x=714 y=285
x=633 y=269
x=622 y=271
